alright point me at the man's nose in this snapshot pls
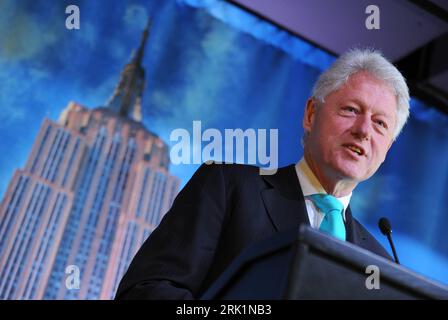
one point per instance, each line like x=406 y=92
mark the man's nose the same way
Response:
x=362 y=127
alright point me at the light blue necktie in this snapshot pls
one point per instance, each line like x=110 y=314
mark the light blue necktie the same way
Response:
x=333 y=222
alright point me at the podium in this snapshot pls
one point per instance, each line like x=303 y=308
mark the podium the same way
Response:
x=307 y=264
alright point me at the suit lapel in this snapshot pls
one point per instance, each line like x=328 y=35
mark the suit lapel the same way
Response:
x=285 y=205
x=284 y=201
x=354 y=234
x=286 y=208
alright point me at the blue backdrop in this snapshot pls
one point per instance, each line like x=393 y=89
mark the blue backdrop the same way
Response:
x=210 y=61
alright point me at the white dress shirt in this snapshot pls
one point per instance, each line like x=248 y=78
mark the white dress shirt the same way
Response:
x=310 y=185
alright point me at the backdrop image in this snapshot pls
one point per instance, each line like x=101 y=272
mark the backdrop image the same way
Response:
x=88 y=159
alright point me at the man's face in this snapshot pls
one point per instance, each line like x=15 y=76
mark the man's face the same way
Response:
x=350 y=134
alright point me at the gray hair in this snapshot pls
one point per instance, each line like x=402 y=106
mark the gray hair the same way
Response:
x=374 y=63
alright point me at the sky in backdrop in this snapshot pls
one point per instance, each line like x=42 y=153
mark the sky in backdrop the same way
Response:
x=209 y=61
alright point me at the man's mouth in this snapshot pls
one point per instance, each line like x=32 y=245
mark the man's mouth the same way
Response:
x=356 y=149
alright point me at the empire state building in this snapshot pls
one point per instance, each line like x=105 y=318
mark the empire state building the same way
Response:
x=94 y=187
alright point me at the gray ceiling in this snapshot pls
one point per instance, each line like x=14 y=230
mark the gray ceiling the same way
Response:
x=338 y=25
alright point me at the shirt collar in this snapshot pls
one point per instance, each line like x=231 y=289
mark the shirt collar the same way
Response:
x=311 y=185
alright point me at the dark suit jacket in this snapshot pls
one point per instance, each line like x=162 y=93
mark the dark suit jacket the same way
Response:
x=222 y=210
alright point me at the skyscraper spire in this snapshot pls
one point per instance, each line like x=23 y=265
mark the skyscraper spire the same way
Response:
x=127 y=96
x=139 y=56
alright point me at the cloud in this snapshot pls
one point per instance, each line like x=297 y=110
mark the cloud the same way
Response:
x=88 y=34
x=99 y=95
x=136 y=17
x=26 y=91
x=380 y=188
x=14 y=91
x=22 y=34
x=206 y=73
x=119 y=51
x=11 y=113
x=264 y=31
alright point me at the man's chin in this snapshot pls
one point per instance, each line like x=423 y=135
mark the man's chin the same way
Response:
x=351 y=173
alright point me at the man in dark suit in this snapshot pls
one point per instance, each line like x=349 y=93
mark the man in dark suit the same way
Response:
x=357 y=109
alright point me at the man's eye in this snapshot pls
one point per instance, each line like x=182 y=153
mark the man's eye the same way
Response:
x=382 y=123
x=350 y=109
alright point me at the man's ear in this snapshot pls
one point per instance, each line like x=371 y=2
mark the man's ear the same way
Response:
x=309 y=114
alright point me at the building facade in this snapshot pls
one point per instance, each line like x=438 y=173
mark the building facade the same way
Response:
x=94 y=187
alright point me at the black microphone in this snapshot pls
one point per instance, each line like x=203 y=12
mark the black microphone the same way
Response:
x=386 y=229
